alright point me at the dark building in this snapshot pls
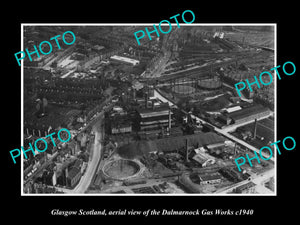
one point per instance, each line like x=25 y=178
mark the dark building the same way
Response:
x=74 y=174
x=224 y=119
x=155 y=118
x=246 y=188
x=120 y=124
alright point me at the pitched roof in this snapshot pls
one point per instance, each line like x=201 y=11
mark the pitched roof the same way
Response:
x=73 y=172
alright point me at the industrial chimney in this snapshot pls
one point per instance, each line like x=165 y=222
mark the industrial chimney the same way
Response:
x=146 y=100
x=255 y=129
x=187 y=152
x=170 y=119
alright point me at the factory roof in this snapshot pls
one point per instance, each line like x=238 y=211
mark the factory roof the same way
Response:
x=150 y=112
x=157 y=109
x=77 y=163
x=73 y=172
x=125 y=59
x=203 y=158
x=252 y=110
x=215 y=145
x=211 y=176
x=246 y=186
x=233 y=109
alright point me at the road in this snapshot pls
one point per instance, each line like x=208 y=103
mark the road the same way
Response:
x=92 y=165
x=257 y=179
x=86 y=179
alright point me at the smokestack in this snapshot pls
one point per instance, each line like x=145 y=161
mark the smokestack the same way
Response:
x=186 y=148
x=146 y=100
x=255 y=129
x=170 y=124
x=66 y=173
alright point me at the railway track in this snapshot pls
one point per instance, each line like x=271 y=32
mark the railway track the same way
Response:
x=204 y=69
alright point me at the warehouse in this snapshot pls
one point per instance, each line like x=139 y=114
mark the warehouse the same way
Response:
x=212 y=178
x=203 y=158
x=249 y=113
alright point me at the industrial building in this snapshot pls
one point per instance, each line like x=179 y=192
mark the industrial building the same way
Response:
x=120 y=125
x=74 y=174
x=211 y=178
x=249 y=114
x=203 y=158
x=155 y=118
x=246 y=188
x=132 y=62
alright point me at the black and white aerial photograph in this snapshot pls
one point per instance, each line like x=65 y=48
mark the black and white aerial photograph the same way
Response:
x=148 y=114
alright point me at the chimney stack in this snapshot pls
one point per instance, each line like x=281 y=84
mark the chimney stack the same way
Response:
x=146 y=100
x=186 y=148
x=255 y=129
x=170 y=119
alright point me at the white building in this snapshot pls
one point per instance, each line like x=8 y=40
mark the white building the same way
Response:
x=126 y=60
